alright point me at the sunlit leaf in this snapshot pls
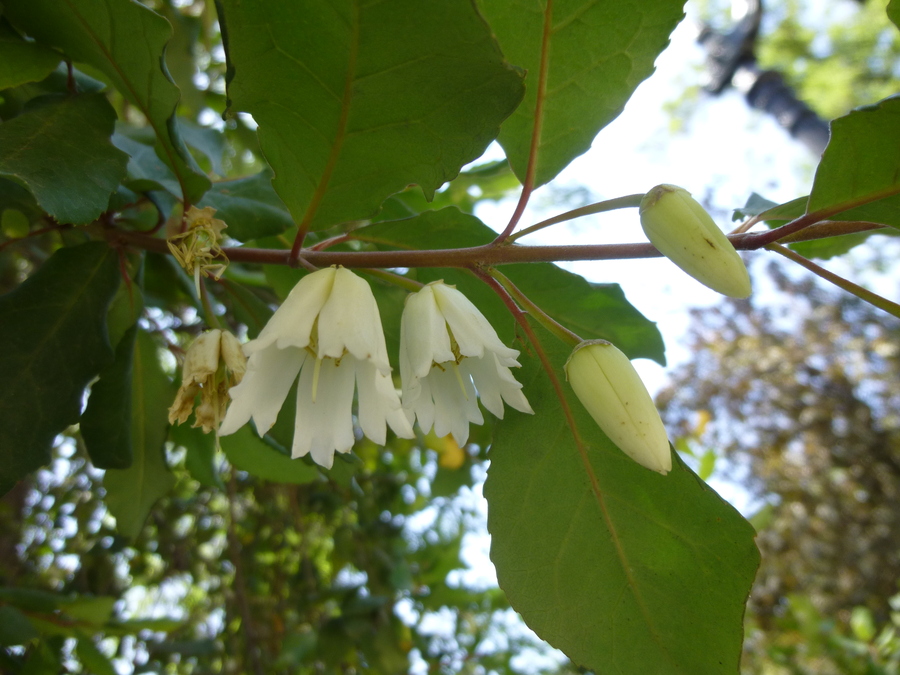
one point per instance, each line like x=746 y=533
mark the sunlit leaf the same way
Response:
x=61 y=151
x=584 y=59
x=125 y=41
x=52 y=343
x=623 y=569
x=860 y=168
x=356 y=100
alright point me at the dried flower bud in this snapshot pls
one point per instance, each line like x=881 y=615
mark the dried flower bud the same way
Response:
x=684 y=232
x=612 y=392
x=213 y=364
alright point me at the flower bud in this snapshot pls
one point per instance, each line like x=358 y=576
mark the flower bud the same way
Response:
x=612 y=392
x=684 y=232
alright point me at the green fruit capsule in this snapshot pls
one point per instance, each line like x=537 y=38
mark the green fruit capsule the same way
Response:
x=612 y=392
x=684 y=232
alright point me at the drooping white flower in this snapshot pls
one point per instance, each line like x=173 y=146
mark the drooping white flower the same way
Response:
x=329 y=331
x=448 y=351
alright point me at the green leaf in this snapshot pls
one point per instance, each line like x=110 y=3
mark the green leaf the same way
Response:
x=125 y=41
x=356 y=100
x=584 y=60
x=594 y=311
x=15 y=628
x=132 y=492
x=247 y=306
x=624 y=570
x=106 y=422
x=52 y=343
x=61 y=151
x=146 y=171
x=247 y=452
x=95 y=610
x=32 y=599
x=136 y=625
x=209 y=142
x=893 y=12
x=92 y=659
x=22 y=61
x=250 y=207
x=200 y=457
x=860 y=166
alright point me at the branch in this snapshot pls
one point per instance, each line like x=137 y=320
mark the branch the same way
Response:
x=864 y=294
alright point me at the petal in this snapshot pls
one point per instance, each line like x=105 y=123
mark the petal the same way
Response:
x=379 y=404
x=455 y=405
x=495 y=384
x=326 y=425
x=419 y=404
x=292 y=323
x=473 y=332
x=202 y=357
x=261 y=393
x=350 y=321
x=424 y=338
x=233 y=356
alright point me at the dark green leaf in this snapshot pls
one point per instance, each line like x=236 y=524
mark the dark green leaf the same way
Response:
x=247 y=306
x=95 y=610
x=861 y=164
x=43 y=659
x=92 y=659
x=22 y=61
x=595 y=54
x=61 y=151
x=357 y=100
x=624 y=570
x=137 y=625
x=249 y=206
x=131 y=493
x=53 y=341
x=106 y=422
x=15 y=628
x=893 y=12
x=247 y=452
x=146 y=171
x=209 y=142
x=200 y=457
x=125 y=41
x=32 y=599
x=591 y=310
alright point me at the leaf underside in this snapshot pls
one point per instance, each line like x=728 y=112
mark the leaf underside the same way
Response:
x=626 y=571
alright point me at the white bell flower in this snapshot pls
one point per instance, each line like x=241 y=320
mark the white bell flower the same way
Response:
x=448 y=351
x=329 y=331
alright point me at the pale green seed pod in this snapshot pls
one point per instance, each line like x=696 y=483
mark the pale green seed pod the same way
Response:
x=684 y=232
x=612 y=392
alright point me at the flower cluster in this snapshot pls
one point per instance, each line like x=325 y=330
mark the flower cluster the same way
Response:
x=328 y=339
x=328 y=331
